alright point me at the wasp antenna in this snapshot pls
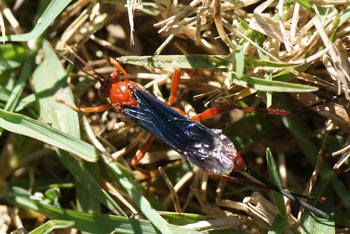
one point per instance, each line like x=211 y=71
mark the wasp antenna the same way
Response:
x=65 y=57
x=97 y=76
x=286 y=194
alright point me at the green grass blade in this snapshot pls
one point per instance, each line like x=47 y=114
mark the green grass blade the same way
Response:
x=287 y=75
x=240 y=57
x=274 y=177
x=22 y=80
x=26 y=126
x=18 y=88
x=267 y=96
x=50 y=83
x=343 y=17
x=183 y=218
x=12 y=56
x=269 y=85
x=4 y=94
x=51 y=225
x=89 y=182
x=252 y=63
x=215 y=61
x=49 y=15
x=26 y=101
x=200 y=61
x=278 y=225
x=315 y=224
x=93 y=223
x=191 y=61
x=300 y=130
x=307 y=5
x=132 y=187
x=84 y=202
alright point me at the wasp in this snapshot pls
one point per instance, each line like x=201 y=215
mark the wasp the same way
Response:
x=207 y=148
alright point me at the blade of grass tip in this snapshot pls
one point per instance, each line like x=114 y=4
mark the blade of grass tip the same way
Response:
x=51 y=225
x=274 y=177
x=268 y=85
x=18 y=89
x=131 y=186
x=49 y=15
x=300 y=130
x=50 y=83
x=86 y=222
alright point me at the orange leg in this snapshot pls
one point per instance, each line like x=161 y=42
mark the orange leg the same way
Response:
x=87 y=109
x=189 y=72
x=211 y=112
x=175 y=82
x=137 y=158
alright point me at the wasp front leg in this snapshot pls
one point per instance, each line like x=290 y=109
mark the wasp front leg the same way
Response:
x=87 y=109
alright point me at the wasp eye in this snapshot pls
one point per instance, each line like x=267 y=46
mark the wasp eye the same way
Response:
x=114 y=75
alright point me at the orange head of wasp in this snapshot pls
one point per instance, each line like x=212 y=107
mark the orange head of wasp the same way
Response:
x=107 y=83
x=119 y=92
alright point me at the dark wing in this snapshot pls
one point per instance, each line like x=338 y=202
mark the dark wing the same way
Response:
x=207 y=148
